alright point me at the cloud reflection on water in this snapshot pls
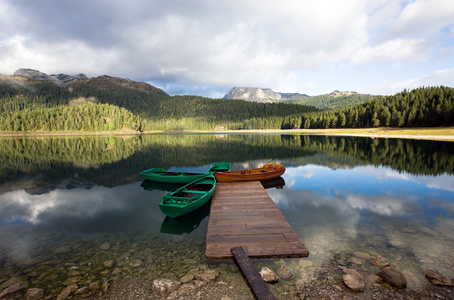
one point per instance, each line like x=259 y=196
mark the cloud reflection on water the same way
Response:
x=368 y=209
x=320 y=195
x=78 y=204
x=369 y=184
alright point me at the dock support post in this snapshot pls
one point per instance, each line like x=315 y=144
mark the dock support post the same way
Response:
x=258 y=286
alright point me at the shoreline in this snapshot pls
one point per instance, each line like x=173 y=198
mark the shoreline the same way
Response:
x=426 y=133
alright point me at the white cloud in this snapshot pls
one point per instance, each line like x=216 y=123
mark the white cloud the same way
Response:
x=275 y=44
x=422 y=18
x=392 y=51
x=439 y=77
x=25 y=53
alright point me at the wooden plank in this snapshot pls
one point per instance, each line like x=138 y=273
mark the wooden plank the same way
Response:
x=260 y=252
x=239 y=230
x=243 y=214
x=258 y=286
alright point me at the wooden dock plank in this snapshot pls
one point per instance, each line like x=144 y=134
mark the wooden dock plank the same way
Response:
x=243 y=215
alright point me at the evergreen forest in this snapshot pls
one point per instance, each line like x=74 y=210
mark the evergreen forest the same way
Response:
x=422 y=107
x=330 y=102
x=113 y=104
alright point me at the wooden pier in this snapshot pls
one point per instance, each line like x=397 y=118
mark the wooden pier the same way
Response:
x=243 y=215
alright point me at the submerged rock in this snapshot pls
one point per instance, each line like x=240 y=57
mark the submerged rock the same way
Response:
x=67 y=292
x=436 y=278
x=105 y=286
x=136 y=263
x=285 y=272
x=393 y=277
x=199 y=283
x=108 y=263
x=185 y=288
x=397 y=244
x=305 y=263
x=207 y=276
x=353 y=280
x=355 y=261
x=268 y=275
x=71 y=281
x=164 y=286
x=34 y=294
x=187 y=278
x=105 y=246
x=93 y=286
x=299 y=285
x=9 y=282
x=379 y=262
x=363 y=255
x=82 y=290
x=13 y=287
x=62 y=249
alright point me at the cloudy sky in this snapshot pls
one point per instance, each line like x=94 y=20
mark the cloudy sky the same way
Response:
x=205 y=47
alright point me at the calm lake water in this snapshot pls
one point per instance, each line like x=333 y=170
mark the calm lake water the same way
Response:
x=76 y=218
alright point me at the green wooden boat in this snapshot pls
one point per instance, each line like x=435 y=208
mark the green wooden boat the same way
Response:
x=178 y=177
x=189 y=197
x=220 y=166
x=164 y=176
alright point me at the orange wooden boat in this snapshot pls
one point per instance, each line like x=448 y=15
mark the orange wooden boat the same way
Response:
x=266 y=172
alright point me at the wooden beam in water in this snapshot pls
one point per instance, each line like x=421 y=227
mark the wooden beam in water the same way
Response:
x=258 y=286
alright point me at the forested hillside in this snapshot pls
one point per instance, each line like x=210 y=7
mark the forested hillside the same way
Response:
x=109 y=103
x=333 y=101
x=427 y=106
x=20 y=93
x=82 y=117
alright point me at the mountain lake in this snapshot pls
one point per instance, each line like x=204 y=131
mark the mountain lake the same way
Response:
x=78 y=222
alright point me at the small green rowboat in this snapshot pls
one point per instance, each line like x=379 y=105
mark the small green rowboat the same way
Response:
x=164 y=176
x=189 y=197
x=220 y=166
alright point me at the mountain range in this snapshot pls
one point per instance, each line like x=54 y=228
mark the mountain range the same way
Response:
x=103 y=82
x=333 y=100
x=33 y=101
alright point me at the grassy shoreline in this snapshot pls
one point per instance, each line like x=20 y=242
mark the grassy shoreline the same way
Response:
x=427 y=133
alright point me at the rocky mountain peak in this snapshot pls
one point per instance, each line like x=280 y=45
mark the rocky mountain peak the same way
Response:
x=59 y=79
x=340 y=94
x=252 y=94
x=66 y=78
x=258 y=94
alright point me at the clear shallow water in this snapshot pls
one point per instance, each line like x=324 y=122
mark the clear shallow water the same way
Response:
x=347 y=215
x=83 y=217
